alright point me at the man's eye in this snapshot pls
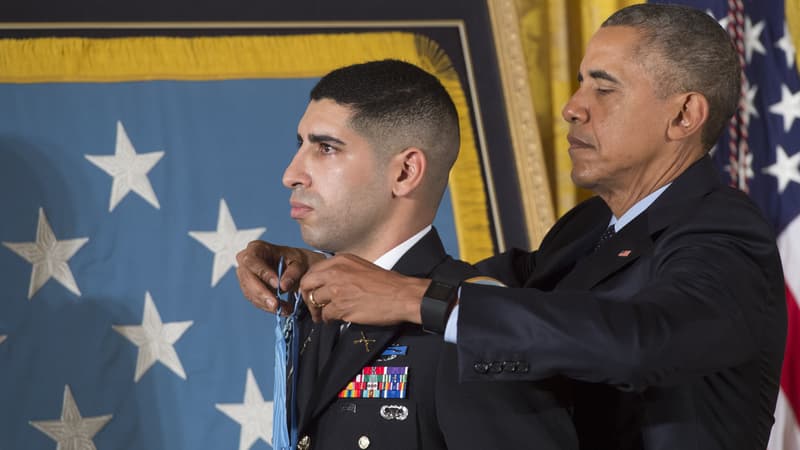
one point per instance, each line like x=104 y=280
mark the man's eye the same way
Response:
x=326 y=149
x=601 y=91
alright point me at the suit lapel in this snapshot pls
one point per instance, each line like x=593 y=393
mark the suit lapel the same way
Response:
x=341 y=359
x=571 y=246
x=421 y=259
x=638 y=237
x=328 y=335
x=614 y=255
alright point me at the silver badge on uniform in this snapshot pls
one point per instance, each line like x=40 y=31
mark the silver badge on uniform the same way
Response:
x=394 y=412
x=349 y=407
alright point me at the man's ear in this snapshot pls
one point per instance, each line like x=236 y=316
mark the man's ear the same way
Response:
x=410 y=166
x=691 y=116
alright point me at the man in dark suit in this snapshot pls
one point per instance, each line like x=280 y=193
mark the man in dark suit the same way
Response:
x=376 y=144
x=662 y=297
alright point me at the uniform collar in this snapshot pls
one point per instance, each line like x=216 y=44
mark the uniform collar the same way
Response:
x=390 y=258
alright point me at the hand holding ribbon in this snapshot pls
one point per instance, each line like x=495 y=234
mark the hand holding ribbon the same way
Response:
x=257 y=272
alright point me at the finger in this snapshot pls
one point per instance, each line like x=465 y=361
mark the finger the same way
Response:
x=322 y=274
x=316 y=300
x=298 y=261
x=333 y=311
x=259 y=258
x=316 y=313
x=329 y=314
x=293 y=270
x=286 y=308
x=312 y=280
x=328 y=308
x=255 y=290
x=312 y=299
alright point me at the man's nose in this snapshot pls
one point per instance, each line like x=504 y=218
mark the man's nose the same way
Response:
x=574 y=111
x=296 y=174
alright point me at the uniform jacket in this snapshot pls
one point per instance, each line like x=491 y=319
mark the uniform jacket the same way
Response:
x=674 y=328
x=438 y=412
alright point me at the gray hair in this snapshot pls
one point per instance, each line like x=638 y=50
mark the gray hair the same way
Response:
x=696 y=55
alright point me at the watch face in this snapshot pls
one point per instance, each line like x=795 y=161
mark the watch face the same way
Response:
x=435 y=306
x=439 y=291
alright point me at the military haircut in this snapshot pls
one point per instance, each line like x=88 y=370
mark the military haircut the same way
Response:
x=397 y=105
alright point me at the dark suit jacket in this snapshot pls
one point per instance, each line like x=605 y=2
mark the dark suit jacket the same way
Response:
x=441 y=412
x=675 y=327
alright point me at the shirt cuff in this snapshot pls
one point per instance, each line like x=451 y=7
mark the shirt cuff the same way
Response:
x=451 y=329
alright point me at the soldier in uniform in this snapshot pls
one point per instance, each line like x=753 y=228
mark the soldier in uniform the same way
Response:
x=376 y=144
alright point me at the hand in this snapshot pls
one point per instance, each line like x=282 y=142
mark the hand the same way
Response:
x=258 y=272
x=351 y=289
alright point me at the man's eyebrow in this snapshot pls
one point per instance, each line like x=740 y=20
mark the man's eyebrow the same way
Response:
x=317 y=138
x=600 y=75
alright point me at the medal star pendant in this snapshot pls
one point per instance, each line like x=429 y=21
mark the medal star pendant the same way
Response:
x=364 y=341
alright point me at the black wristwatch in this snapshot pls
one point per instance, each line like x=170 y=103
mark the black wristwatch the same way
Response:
x=436 y=304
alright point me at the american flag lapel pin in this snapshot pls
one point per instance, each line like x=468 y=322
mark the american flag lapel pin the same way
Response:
x=624 y=253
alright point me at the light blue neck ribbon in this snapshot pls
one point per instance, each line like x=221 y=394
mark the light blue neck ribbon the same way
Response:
x=284 y=429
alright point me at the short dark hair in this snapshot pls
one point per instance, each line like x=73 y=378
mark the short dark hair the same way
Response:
x=698 y=55
x=397 y=105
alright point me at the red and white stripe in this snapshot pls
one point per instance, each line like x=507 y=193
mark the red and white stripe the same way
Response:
x=786 y=433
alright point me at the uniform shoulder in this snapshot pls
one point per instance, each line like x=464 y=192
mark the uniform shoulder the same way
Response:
x=453 y=271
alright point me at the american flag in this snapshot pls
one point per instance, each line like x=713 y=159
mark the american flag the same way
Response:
x=760 y=154
x=122 y=325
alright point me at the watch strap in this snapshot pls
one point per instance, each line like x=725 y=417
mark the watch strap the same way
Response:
x=437 y=302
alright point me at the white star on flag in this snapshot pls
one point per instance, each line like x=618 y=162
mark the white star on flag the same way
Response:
x=225 y=242
x=72 y=432
x=749 y=101
x=785 y=43
x=254 y=414
x=129 y=170
x=785 y=169
x=788 y=107
x=155 y=340
x=752 y=38
x=743 y=167
x=723 y=21
x=48 y=256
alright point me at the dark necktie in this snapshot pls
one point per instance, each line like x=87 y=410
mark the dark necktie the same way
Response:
x=608 y=234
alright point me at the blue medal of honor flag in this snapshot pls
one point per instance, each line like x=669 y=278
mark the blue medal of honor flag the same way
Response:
x=123 y=206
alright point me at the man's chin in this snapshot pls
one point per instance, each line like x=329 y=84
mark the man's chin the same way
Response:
x=314 y=240
x=582 y=181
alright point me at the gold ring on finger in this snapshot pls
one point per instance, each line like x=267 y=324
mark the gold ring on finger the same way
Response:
x=311 y=299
